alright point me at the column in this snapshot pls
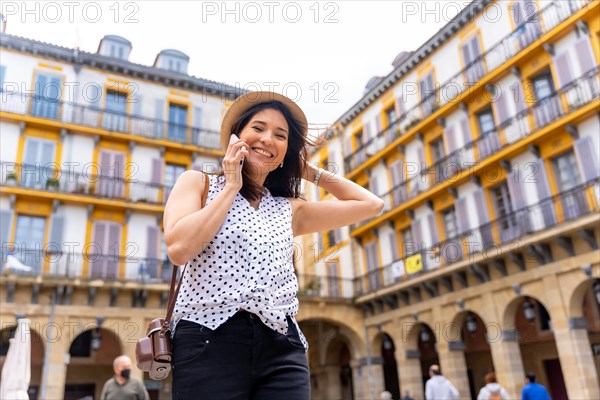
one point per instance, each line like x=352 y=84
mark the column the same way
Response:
x=58 y=343
x=454 y=366
x=508 y=364
x=577 y=360
x=360 y=380
x=409 y=364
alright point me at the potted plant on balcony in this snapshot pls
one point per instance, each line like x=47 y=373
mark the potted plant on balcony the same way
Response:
x=313 y=287
x=10 y=179
x=52 y=184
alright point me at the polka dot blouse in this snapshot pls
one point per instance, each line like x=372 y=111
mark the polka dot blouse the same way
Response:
x=247 y=265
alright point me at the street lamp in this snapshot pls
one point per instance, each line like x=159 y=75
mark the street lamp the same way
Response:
x=425 y=336
x=96 y=334
x=471 y=323
x=529 y=310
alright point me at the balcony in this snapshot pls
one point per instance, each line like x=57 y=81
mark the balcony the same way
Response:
x=573 y=96
x=25 y=261
x=566 y=206
x=524 y=35
x=93 y=117
x=333 y=287
x=89 y=185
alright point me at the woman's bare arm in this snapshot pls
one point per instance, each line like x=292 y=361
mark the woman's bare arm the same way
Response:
x=352 y=203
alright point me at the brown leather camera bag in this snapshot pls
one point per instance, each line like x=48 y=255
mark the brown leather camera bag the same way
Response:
x=153 y=351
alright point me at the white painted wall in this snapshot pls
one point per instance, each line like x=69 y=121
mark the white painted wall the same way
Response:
x=9 y=141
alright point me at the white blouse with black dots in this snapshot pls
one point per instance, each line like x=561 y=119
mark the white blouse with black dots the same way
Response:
x=248 y=265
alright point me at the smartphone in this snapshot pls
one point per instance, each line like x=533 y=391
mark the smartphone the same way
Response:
x=244 y=148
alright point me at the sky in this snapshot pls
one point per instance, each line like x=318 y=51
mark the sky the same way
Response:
x=319 y=53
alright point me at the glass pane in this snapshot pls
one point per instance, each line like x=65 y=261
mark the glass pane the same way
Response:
x=486 y=122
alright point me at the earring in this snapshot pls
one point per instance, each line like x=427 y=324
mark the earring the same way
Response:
x=281 y=165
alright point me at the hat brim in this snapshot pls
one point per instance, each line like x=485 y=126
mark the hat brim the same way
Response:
x=249 y=100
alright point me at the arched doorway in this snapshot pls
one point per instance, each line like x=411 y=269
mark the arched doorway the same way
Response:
x=589 y=304
x=538 y=348
x=330 y=357
x=427 y=350
x=37 y=356
x=390 y=366
x=90 y=362
x=478 y=355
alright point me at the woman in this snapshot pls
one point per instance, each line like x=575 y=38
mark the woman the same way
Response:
x=235 y=334
x=492 y=389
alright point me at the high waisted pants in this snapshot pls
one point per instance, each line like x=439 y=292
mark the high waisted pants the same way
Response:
x=241 y=360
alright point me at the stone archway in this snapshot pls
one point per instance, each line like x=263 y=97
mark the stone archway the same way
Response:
x=538 y=352
x=90 y=362
x=332 y=356
x=37 y=356
x=477 y=353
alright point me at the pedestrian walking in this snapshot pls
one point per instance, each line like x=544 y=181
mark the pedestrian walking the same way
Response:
x=533 y=390
x=492 y=389
x=438 y=387
x=123 y=386
x=235 y=333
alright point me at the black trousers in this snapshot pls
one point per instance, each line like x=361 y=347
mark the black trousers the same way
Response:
x=241 y=360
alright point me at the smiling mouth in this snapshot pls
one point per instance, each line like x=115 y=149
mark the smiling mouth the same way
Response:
x=262 y=152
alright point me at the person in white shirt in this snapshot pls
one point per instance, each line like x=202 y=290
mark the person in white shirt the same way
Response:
x=492 y=389
x=438 y=387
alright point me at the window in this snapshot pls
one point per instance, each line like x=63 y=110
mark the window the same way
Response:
x=111 y=182
x=29 y=241
x=47 y=96
x=37 y=162
x=106 y=251
x=567 y=175
x=372 y=265
x=474 y=67
x=390 y=113
x=177 y=122
x=548 y=106
x=450 y=223
x=489 y=141
x=486 y=121
x=115 y=115
x=427 y=87
x=172 y=172
x=408 y=246
x=437 y=150
x=504 y=211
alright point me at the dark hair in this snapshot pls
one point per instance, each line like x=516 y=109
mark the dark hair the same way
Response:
x=531 y=377
x=281 y=182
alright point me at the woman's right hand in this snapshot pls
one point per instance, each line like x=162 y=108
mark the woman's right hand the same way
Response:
x=237 y=150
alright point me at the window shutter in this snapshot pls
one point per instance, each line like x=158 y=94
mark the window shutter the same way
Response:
x=462 y=215
x=400 y=109
x=587 y=158
x=584 y=53
x=378 y=125
x=337 y=234
x=501 y=109
x=433 y=228
x=157 y=171
x=541 y=180
x=5 y=227
x=417 y=234
x=348 y=145
x=450 y=139
x=56 y=230
x=394 y=245
x=482 y=212
x=152 y=244
x=517 y=197
x=563 y=66
x=368 y=132
x=105 y=159
x=519 y=97
x=466 y=131
x=374 y=185
x=159 y=115
x=197 y=117
x=2 y=75
x=136 y=99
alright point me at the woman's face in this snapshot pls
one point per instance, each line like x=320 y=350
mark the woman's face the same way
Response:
x=267 y=135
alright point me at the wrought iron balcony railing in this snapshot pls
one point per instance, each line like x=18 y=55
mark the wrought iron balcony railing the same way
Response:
x=573 y=96
x=311 y=285
x=488 y=238
x=39 y=177
x=29 y=260
x=94 y=117
x=524 y=35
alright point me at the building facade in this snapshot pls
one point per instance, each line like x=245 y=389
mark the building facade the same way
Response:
x=484 y=144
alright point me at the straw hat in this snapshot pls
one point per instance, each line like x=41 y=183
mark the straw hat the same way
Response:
x=250 y=99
